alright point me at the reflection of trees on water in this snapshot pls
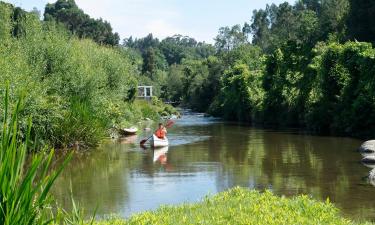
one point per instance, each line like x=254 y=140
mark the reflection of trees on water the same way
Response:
x=287 y=163
x=98 y=178
x=235 y=155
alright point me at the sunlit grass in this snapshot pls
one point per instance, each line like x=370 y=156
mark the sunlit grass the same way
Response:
x=241 y=206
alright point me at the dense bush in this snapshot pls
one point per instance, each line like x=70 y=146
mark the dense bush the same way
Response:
x=343 y=92
x=74 y=89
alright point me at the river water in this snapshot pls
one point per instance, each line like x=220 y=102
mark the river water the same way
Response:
x=207 y=156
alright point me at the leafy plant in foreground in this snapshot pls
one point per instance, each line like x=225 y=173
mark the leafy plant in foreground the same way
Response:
x=24 y=184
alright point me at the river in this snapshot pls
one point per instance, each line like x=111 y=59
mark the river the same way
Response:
x=207 y=156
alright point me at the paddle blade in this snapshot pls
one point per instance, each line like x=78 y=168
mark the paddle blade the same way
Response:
x=143 y=142
x=169 y=124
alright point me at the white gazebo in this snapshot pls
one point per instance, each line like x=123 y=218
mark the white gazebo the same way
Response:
x=145 y=92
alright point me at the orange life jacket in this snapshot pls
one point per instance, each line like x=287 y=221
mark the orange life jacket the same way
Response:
x=160 y=133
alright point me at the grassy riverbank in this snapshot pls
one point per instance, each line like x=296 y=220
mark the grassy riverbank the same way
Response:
x=241 y=206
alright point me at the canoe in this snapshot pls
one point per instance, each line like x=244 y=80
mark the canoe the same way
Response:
x=157 y=142
x=129 y=131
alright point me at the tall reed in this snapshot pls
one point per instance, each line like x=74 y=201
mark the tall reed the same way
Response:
x=24 y=184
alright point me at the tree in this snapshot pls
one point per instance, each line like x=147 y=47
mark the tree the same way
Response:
x=361 y=20
x=230 y=38
x=260 y=29
x=79 y=23
x=149 y=62
x=333 y=17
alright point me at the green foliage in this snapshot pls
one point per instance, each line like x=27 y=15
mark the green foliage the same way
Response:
x=307 y=22
x=75 y=89
x=361 y=21
x=25 y=184
x=230 y=38
x=241 y=206
x=5 y=22
x=340 y=100
x=241 y=94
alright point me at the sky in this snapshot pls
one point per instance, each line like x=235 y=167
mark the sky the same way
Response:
x=200 y=19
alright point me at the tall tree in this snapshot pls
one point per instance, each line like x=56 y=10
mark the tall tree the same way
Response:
x=260 y=28
x=230 y=38
x=333 y=16
x=79 y=23
x=149 y=62
x=361 y=20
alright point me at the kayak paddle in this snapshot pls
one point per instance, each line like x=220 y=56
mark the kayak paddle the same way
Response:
x=167 y=125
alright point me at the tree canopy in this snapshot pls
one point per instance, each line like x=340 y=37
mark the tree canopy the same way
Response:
x=79 y=23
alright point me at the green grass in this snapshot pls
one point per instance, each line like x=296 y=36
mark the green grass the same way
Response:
x=241 y=206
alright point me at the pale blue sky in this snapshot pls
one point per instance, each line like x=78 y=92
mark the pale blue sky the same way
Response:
x=200 y=19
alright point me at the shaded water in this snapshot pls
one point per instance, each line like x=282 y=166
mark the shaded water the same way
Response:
x=208 y=156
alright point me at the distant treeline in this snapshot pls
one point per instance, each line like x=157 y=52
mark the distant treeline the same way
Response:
x=290 y=65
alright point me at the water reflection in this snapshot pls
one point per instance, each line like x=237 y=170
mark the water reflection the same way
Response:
x=160 y=155
x=208 y=156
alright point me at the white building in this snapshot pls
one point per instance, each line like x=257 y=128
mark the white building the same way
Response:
x=145 y=92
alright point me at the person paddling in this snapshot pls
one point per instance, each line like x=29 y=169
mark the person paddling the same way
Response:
x=161 y=131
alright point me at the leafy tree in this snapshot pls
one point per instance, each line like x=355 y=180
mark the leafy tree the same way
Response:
x=361 y=20
x=79 y=23
x=241 y=94
x=149 y=62
x=333 y=17
x=230 y=38
x=260 y=29
x=313 y=5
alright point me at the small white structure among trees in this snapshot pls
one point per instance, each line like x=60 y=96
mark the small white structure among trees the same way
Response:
x=145 y=92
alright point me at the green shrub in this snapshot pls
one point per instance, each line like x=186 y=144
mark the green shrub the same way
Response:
x=241 y=206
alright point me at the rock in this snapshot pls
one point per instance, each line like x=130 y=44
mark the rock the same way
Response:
x=147 y=129
x=368 y=146
x=365 y=154
x=369 y=159
x=148 y=119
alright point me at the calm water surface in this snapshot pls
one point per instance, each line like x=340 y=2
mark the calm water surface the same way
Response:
x=207 y=156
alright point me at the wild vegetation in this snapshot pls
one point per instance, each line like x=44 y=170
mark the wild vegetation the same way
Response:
x=74 y=89
x=302 y=67
x=241 y=206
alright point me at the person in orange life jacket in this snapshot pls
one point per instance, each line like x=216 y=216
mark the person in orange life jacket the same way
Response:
x=161 y=131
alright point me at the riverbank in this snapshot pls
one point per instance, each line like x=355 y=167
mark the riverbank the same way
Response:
x=74 y=89
x=241 y=206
